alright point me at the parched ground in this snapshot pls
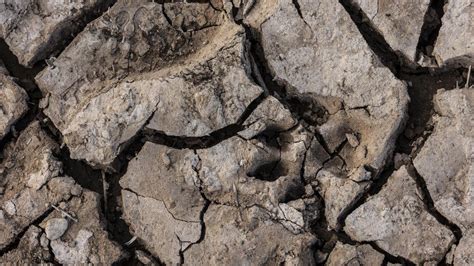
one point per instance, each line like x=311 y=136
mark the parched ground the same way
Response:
x=236 y=132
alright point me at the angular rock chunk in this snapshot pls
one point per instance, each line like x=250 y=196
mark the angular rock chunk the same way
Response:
x=455 y=42
x=162 y=173
x=35 y=29
x=446 y=161
x=140 y=59
x=325 y=63
x=85 y=240
x=317 y=51
x=207 y=96
x=464 y=252
x=399 y=22
x=163 y=234
x=165 y=190
x=270 y=115
x=161 y=200
x=30 y=158
x=28 y=250
x=248 y=236
x=263 y=171
x=338 y=194
x=345 y=254
x=55 y=228
x=396 y=219
x=13 y=103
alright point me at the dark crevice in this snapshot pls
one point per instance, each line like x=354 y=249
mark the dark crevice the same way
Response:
x=202 y=214
x=298 y=8
x=429 y=203
x=421 y=89
x=269 y=171
x=90 y=178
x=202 y=142
x=401 y=67
x=168 y=19
x=303 y=164
x=373 y=188
x=62 y=37
x=431 y=26
x=24 y=77
x=119 y=231
x=376 y=41
x=304 y=109
x=328 y=239
x=79 y=170
x=52 y=258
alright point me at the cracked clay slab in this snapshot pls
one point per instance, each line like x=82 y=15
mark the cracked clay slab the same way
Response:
x=13 y=102
x=32 y=181
x=316 y=50
x=446 y=160
x=35 y=29
x=396 y=219
x=189 y=82
x=399 y=22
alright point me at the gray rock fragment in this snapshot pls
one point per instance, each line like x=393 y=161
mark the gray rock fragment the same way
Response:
x=13 y=103
x=183 y=62
x=164 y=189
x=249 y=237
x=446 y=161
x=55 y=228
x=270 y=115
x=35 y=29
x=163 y=234
x=161 y=200
x=397 y=221
x=86 y=241
x=391 y=19
x=23 y=204
x=464 y=253
x=455 y=42
x=337 y=70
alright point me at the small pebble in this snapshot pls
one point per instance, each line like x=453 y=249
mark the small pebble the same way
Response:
x=55 y=228
x=63 y=205
x=76 y=190
x=10 y=208
x=44 y=242
x=352 y=139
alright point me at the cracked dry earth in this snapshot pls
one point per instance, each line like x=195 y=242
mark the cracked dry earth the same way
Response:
x=236 y=132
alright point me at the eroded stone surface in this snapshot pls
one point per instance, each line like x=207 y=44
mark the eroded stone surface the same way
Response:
x=13 y=102
x=446 y=161
x=34 y=29
x=270 y=115
x=248 y=236
x=345 y=254
x=31 y=157
x=162 y=202
x=464 y=253
x=397 y=221
x=313 y=141
x=318 y=52
x=192 y=74
x=399 y=22
x=163 y=186
x=455 y=42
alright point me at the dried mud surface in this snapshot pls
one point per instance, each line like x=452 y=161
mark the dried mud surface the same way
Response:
x=236 y=132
